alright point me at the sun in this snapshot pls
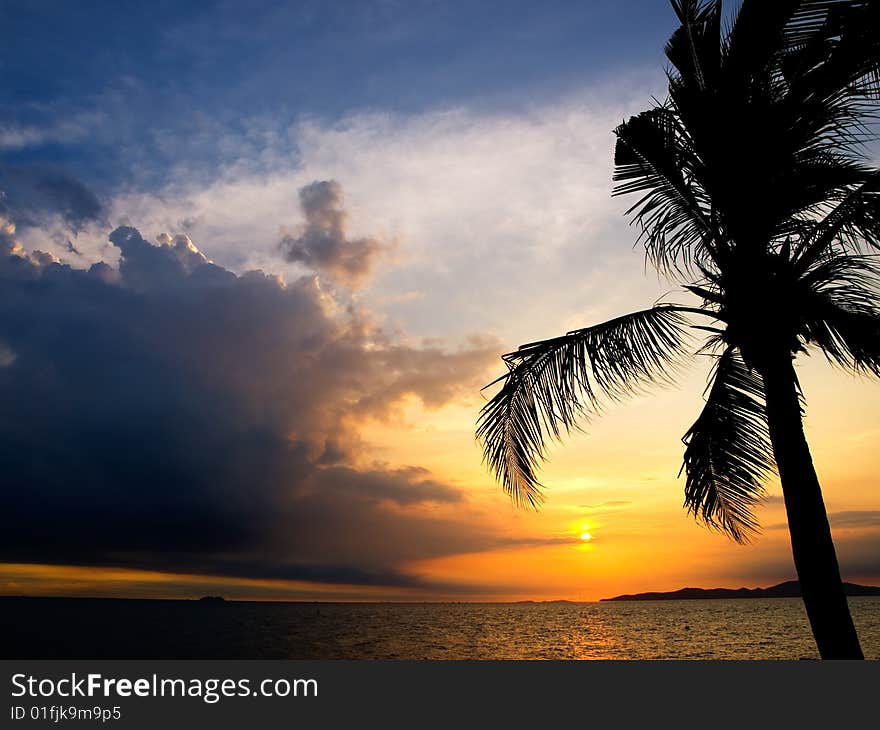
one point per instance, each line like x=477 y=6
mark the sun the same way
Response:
x=586 y=536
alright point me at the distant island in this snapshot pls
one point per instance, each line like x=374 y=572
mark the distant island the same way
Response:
x=789 y=589
x=212 y=599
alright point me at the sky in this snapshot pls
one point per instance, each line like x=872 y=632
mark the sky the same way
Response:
x=258 y=261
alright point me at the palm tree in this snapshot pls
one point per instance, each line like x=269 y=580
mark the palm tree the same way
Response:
x=754 y=196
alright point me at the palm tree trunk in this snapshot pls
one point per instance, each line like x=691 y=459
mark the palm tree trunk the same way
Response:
x=811 y=544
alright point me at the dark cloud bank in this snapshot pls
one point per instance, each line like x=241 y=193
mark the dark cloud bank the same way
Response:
x=172 y=415
x=31 y=193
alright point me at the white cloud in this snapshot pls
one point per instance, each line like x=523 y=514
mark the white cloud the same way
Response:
x=503 y=219
x=21 y=136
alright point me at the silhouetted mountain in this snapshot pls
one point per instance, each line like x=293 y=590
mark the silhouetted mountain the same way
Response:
x=789 y=589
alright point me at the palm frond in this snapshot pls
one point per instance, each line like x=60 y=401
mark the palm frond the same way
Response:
x=840 y=311
x=848 y=338
x=810 y=17
x=757 y=36
x=832 y=67
x=553 y=385
x=694 y=49
x=854 y=223
x=652 y=157
x=848 y=31
x=764 y=31
x=728 y=452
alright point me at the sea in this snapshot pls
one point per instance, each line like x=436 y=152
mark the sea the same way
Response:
x=79 y=628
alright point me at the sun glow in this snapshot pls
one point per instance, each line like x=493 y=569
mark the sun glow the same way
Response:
x=586 y=536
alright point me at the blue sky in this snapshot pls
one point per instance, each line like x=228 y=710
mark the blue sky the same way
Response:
x=116 y=92
x=152 y=114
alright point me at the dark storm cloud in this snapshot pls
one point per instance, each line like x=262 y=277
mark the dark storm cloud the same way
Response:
x=322 y=242
x=33 y=192
x=173 y=415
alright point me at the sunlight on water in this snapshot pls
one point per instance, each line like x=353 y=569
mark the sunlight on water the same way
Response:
x=701 y=629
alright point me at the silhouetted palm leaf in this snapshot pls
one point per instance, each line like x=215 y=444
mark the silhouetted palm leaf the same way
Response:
x=854 y=223
x=694 y=48
x=551 y=385
x=840 y=312
x=728 y=452
x=652 y=157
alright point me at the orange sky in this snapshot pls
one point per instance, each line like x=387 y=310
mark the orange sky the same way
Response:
x=618 y=482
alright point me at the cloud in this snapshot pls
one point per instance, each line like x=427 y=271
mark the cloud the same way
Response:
x=857 y=554
x=855 y=518
x=499 y=217
x=322 y=242
x=14 y=136
x=501 y=221
x=610 y=504
x=844 y=519
x=50 y=200
x=171 y=414
x=856 y=539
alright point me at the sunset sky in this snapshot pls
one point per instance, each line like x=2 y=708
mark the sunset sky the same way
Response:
x=258 y=260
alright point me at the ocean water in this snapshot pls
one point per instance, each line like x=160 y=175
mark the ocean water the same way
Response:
x=696 y=629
